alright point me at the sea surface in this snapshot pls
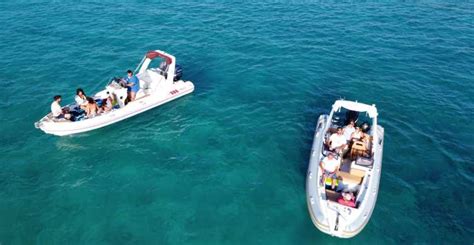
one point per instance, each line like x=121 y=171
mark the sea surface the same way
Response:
x=227 y=164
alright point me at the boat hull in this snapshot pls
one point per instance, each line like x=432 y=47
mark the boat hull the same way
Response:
x=143 y=104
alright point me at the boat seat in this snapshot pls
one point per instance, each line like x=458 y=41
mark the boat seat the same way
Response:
x=357 y=172
x=332 y=195
x=348 y=178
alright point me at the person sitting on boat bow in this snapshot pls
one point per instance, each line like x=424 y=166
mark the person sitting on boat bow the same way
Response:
x=57 y=110
x=337 y=142
x=91 y=108
x=107 y=104
x=133 y=85
x=329 y=165
x=81 y=98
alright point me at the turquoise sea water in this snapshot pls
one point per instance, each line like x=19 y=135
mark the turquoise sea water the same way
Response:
x=227 y=164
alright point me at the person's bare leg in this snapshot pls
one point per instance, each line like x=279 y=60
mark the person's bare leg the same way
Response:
x=128 y=98
x=132 y=96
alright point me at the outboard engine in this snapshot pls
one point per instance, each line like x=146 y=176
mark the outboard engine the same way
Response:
x=178 y=73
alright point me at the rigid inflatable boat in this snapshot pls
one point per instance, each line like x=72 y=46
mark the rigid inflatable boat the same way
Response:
x=358 y=171
x=158 y=85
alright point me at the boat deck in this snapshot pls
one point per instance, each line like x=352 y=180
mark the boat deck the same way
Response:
x=350 y=177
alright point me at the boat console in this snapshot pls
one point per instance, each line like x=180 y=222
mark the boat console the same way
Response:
x=120 y=92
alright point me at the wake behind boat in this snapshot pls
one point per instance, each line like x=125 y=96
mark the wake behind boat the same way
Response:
x=157 y=85
x=344 y=170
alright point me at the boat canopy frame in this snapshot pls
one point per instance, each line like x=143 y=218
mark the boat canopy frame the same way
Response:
x=153 y=54
x=355 y=106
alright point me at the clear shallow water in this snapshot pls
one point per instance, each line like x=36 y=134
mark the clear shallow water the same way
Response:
x=227 y=164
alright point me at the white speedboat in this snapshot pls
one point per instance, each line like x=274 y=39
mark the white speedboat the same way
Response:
x=158 y=85
x=344 y=210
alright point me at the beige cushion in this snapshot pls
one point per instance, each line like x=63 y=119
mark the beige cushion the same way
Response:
x=357 y=172
x=350 y=179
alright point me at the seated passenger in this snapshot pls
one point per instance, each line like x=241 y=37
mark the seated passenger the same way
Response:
x=113 y=99
x=106 y=105
x=347 y=199
x=80 y=98
x=367 y=141
x=91 y=107
x=357 y=134
x=133 y=85
x=57 y=111
x=348 y=130
x=337 y=141
x=329 y=165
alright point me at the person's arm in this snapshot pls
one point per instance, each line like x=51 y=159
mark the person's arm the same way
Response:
x=132 y=81
x=78 y=100
x=328 y=143
x=127 y=82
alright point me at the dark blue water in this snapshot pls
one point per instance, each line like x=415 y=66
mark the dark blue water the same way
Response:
x=227 y=164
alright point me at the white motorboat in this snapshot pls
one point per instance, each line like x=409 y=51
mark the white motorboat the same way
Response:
x=358 y=175
x=158 y=85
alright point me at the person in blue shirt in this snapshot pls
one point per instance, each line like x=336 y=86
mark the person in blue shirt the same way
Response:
x=133 y=85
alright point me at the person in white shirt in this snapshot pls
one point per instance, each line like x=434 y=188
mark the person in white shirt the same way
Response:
x=348 y=130
x=56 y=109
x=80 y=98
x=337 y=141
x=357 y=135
x=330 y=165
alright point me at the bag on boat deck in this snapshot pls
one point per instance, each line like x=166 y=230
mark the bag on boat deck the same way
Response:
x=364 y=161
